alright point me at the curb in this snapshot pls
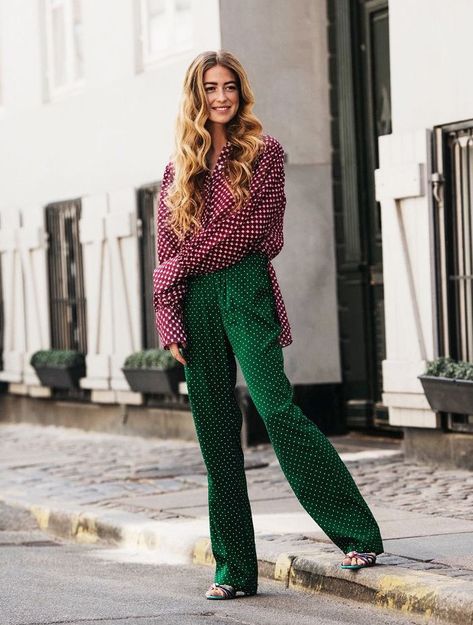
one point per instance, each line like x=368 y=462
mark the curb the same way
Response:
x=312 y=568
x=410 y=591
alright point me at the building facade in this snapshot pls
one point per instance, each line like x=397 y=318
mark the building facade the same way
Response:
x=423 y=184
x=351 y=90
x=87 y=119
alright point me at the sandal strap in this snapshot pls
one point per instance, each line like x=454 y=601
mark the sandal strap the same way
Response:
x=229 y=591
x=366 y=557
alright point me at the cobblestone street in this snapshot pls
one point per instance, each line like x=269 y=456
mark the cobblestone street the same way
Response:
x=104 y=469
x=149 y=496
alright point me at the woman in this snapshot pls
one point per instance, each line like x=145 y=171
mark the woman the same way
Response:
x=216 y=297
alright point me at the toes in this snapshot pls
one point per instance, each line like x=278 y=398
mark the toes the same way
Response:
x=215 y=590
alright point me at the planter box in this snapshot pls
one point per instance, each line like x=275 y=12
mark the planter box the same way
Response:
x=165 y=381
x=448 y=394
x=60 y=377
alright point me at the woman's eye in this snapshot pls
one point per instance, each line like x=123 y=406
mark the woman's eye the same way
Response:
x=230 y=87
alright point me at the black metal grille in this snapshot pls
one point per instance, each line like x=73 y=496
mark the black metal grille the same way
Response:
x=147 y=199
x=66 y=277
x=453 y=195
x=146 y=212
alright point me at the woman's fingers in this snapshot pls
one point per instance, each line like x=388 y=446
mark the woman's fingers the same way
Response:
x=174 y=349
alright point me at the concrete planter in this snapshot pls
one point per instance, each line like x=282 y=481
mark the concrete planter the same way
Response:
x=57 y=376
x=448 y=394
x=151 y=380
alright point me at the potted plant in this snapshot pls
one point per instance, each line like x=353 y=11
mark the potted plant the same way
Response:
x=59 y=368
x=153 y=371
x=448 y=385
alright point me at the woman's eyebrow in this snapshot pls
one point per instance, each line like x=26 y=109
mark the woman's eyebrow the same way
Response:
x=225 y=83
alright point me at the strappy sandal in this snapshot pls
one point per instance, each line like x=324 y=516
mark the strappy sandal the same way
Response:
x=368 y=559
x=228 y=591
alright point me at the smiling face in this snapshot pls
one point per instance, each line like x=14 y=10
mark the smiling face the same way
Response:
x=221 y=90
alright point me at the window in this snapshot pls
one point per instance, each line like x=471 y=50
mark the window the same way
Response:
x=65 y=67
x=453 y=222
x=147 y=199
x=66 y=276
x=166 y=28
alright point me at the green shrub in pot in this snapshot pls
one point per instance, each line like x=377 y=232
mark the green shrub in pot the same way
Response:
x=59 y=368
x=448 y=385
x=447 y=367
x=151 y=359
x=153 y=371
x=57 y=358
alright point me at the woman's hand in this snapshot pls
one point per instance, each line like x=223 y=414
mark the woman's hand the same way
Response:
x=174 y=349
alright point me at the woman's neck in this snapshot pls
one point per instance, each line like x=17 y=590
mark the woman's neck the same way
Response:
x=219 y=138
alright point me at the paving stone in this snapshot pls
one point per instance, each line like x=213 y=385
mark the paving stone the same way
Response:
x=133 y=474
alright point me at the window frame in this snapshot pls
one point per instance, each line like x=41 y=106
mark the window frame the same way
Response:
x=149 y=58
x=71 y=83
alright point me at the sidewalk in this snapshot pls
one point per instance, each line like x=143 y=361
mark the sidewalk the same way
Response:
x=149 y=498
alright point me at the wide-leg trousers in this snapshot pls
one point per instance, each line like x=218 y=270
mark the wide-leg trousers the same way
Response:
x=231 y=313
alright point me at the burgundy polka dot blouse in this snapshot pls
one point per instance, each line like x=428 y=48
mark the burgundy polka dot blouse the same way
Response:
x=224 y=239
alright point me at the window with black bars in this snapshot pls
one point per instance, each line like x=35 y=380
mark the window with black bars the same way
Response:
x=452 y=181
x=66 y=277
x=147 y=198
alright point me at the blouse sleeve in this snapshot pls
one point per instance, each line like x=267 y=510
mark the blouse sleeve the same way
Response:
x=229 y=238
x=275 y=194
x=168 y=316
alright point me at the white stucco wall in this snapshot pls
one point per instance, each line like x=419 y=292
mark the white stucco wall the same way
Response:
x=115 y=134
x=99 y=143
x=430 y=59
x=117 y=131
x=430 y=62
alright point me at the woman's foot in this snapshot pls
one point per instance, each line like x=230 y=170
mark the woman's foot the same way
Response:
x=358 y=560
x=220 y=591
x=225 y=591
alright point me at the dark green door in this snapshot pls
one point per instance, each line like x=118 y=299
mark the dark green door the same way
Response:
x=362 y=112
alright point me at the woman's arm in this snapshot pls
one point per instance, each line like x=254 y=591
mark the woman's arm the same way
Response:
x=231 y=237
x=168 y=318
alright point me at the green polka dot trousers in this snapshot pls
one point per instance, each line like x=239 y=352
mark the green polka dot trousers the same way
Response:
x=231 y=313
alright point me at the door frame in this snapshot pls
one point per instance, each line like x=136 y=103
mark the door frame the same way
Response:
x=353 y=191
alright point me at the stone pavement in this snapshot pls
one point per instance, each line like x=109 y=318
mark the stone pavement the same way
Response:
x=149 y=497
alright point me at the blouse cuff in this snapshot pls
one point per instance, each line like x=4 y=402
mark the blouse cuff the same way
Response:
x=170 y=326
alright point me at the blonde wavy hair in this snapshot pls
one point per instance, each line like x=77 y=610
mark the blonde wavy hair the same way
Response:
x=193 y=141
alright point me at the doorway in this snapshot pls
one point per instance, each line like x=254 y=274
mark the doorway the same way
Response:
x=361 y=112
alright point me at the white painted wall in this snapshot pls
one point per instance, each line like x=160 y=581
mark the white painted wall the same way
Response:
x=118 y=131
x=115 y=134
x=430 y=44
x=430 y=66
x=99 y=143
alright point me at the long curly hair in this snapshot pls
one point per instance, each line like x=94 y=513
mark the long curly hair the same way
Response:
x=193 y=141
